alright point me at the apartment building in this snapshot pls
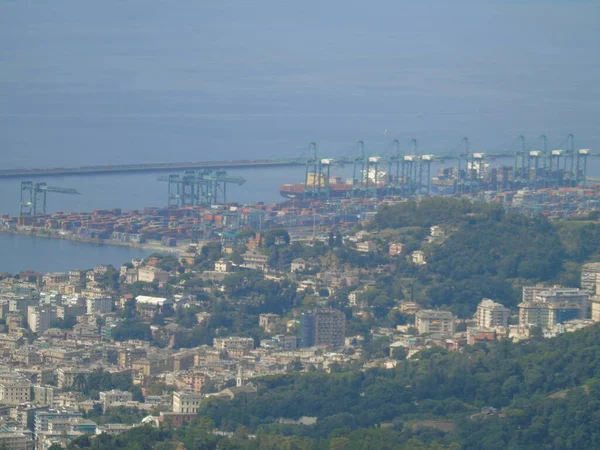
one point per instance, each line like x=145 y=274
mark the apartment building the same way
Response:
x=490 y=314
x=15 y=393
x=322 y=327
x=430 y=321
x=590 y=276
x=39 y=318
x=553 y=306
x=186 y=402
x=149 y=274
x=99 y=305
x=109 y=398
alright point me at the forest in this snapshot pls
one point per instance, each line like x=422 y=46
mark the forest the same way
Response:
x=486 y=252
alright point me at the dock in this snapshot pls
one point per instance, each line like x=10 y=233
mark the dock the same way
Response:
x=149 y=167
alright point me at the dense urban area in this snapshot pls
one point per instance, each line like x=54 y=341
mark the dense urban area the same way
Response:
x=362 y=323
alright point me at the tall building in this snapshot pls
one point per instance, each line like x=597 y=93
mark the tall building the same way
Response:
x=531 y=292
x=590 y=275
x=430 y=321
x=40 y=317
x=322 y=327
x=490 y=314
x=553 y=306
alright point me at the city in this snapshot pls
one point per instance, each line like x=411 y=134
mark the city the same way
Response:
x=156 y=338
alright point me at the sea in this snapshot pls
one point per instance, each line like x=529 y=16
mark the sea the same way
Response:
x=116 y=82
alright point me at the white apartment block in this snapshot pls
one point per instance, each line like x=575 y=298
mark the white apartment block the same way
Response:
x=430 y=321
x=490 y=314
x=186 y=402
x=40 y=317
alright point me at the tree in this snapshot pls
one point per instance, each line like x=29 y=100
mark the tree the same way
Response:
x=398 y=353
x=79 y=383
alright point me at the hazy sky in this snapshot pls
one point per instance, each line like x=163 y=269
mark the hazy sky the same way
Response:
x=110 y=81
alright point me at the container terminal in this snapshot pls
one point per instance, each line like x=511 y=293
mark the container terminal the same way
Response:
x=409 y=173
x=550 y=182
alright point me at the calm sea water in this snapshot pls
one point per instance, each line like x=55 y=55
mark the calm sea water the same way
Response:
x=84 y=83
x=50 y=255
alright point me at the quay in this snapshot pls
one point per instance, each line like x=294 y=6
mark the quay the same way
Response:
x=149 y=167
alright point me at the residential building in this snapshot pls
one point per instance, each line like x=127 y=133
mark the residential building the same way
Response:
x=149 y=274
x=396 y=249
x=99 y=305
x=236 y=347
x=131 y=276
x=68 y=375
x=254 y=260
x=197 y=381
x=51 y=280
x=223 y=266
x=436 y=231
x=16 y=439
x=42 y=417
x=490 y=314
x=298 y=265
x=280 y=342
x=151 y=306
x=418 y=257
x=366 y=247
x=547 y=315
x=186 y=401
x=552 y=306
x=20 y=304
x=590 y=275
x=322 y=327
x=475 y=335
x=430 y=321
x=14 y=393
x=43 y=394
x=77 y=278
x=531 y=292
x=595 y=302
x=109 y=398
x=39 y=318
x=267 y=321
x=560 y=294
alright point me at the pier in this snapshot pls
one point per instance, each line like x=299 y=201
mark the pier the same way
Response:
x=149 y=167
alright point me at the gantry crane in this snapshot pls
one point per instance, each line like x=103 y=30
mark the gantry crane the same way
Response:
x=34 y=197
x=203 y=188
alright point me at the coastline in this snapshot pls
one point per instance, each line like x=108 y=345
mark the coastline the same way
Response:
x=109 y=242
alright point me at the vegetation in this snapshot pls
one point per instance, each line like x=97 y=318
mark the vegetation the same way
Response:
x=536 y=395
x=485 y=253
